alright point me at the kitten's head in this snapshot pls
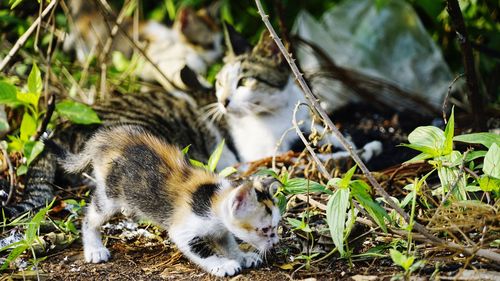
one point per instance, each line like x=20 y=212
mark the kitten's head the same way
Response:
x=253 y=216
x=253 y=80
x=201 y=30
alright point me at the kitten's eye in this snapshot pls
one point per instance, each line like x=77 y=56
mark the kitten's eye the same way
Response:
x=266 y=229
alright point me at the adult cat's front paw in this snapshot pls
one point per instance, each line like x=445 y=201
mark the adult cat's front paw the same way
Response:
x=250 y=259
x=96 y=255
x=227 y=268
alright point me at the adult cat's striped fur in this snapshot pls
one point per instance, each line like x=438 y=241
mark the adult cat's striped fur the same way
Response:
x=173 y=119
x=140 y=174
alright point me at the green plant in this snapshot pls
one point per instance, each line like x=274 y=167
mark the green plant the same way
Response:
x=30 y=237
x=28 y=98
x=213 y=160
x=341 y=204
x=436 y=147
x=407 y=262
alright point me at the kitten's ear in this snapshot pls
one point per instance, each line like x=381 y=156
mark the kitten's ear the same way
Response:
x=243 y=200
x=235 y=43
x=213 y=10
x=268 y=184
x=191 y=79
x=267 y=48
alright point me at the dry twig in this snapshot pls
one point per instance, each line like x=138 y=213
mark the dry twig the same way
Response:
x=20 y=42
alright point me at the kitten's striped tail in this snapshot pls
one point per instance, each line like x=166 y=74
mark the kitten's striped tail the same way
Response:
x=72 y=163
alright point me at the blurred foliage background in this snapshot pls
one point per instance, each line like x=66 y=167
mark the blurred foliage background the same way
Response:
x=481 y=19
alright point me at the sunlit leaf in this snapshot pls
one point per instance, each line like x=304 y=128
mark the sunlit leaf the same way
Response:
x=346 y=179
x=491 y=165
x=28 y=127
x=35 y=81
x=227 y=171
x=336 y=212
x=449 y=132
x=215 y=157
x=22 y=170
x=185 y=150
x=78 y=113
x=401 y=259
x=31 y=150
x=8 y=94
x=427 y=139
x=487 y=184
x=486 y=139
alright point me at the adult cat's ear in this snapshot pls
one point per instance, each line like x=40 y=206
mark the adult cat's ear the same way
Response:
x=243 y=200
x=267 y=48
x=236 y=44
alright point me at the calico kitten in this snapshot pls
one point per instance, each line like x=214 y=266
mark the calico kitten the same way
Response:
x=191 y=44
x=257 y=94
x=141 y=174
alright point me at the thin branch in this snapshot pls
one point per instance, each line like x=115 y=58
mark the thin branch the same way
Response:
x=474 y=97
x=447 y=97
x=22 y=40
x=313 y=102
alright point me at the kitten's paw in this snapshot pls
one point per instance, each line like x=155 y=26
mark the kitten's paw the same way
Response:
x=249 y=260
x=227 y=268
x=96 y=255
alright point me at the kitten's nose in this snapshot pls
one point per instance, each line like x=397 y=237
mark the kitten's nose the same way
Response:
x=226 y=102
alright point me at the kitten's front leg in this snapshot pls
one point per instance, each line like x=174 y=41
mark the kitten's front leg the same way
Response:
x=246 y=259
x=200 y=250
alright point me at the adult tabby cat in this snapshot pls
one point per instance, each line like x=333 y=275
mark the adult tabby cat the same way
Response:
x=257 y=94
x=191 y=44
x=145 y=177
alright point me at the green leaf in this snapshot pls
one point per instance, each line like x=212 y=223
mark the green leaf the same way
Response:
x=336 y=212
x=215 y=157
x=28 y=98
x=360 y=190
x=301 y=185
x=491 y=165
x=31 y=150
x=448 y=133
x=120 y=62
x=421 y=156
x=8 y=94
x=185 y=150
x=227 y=171
x=16 y=252
x=28 y=127
x=486 y=139
x=77 y=112
x=267 y=172
x=346 y=179
x=472 y=155
x=22 y=170
x=300 y=225
x=35 y=81
x=487 y=184
x=401 y=259
x=427 y=139
x=197 y=163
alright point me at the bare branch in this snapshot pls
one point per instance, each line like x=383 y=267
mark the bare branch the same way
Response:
x=20 y=42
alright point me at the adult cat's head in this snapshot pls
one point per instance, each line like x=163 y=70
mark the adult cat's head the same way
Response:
x=252 y=80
